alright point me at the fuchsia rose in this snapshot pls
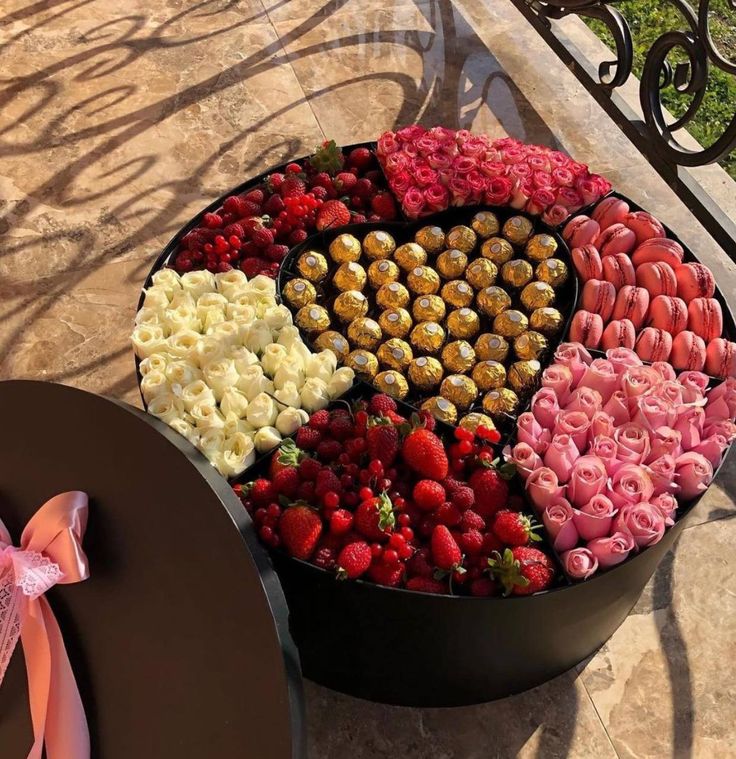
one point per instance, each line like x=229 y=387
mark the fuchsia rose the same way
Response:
x=425 y=175
x=694 y=473
x=613 y=550
x=545 y=407
x=617 y=407
x=498 y=191
x=563 y=177
x=587 y=479
x=690 y=423
x=667 y=505
x=555 y=216
x=664 y=369
x=443 y=134
x=576 y=358
x=605 y=448
x=664 y=442
x=585 y=399
x=459 y=190
x=411 y=133
x=579 y=563
x=524 y=457
x=601 y=424
x=395 y=162
x=573 y=423
x=428 y=145
x=559 y=379
x=724 y=427
x=594 y=519
x=400 y=183
x=463 y=165
x=560 y=456
x=413 y=202
x=652 y=412
x=387 y=143
x=557 y=519
x=622 y=359
x=543 y=487
x=437 y=197
x=477 y=184
x=601 y=376
x=531 y=432
x=633 y=443
x=631 y=484
x=662 y=472
x=540 y=200
x=638 y=380
x=642 y=521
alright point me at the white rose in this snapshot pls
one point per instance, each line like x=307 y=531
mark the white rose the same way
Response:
x=277 y=317
x=233 y=402
x=228 y=333
x=182 y=373
x=220 y=375
x=299 y=350
x=261 y=411
x=212 y=319
x=182 y=298
x=230 y=281
x=288 y=336
x=153 y=385
x=266 y=439
x=290 y=420
x=208 y=349
x=288 y=394
x=206 y=415
x=233 y=425
x=237 y=455
x=149 y=317
x=168 y=280
x=166 y=407
x=263 y=284
x=242 y=314
x=197 y=283
x=257 y=337
x=211 y=442
x=197 y=392
x=262 y=304
x=147 y=340
x=156 y=299
x=183 y=345
x=340 y=382
x=290 y=371
x=252 y=381
x=243 y=358
x=155 y=363
x=182 y=317
x=184 y=428
x=314 y=394
x=322 y=365
x=272 y=358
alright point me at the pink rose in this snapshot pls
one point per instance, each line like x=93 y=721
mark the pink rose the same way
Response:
x=569 y=198
x=601 y=424
x=694 y=473
x=664 y=369
x=411 y=149
x=637 y=380
x=622 y=359
x=428 y=145
x=512 y=155
x=523 y=173
x=694 y=384
x=474 y=147
x=671 y=391
x=543 y=487
x=555 y=216
x=594 y=519
x=387 y=144
x=557 y=519
x=538 y=162
x=589 y=190
x=573 y=423
x=722 y=401
x=400 y=183
x=585 y=399
x=411 y=133
x=578 y=169
x=521 y=192
x=664 y=442
x=498 y=191
x=437 y=197
x=601 y=376
x=560 y=456
x=605 y=448
x=613 y=550
x=540 y=200
x=395 y=162
x=690 y=423
x=558 y=159
x=425 y=175
x=712 y=448
x=558 y=378
x=543 y=180
x=576 y=358
x=463 y=165
x=531 y=432
x=587 y=479
x=443 y=134
x=662 y=472
x=617 y=408
x=563 y=177
x=545 y=407
x=459 y=190
x=441 y=160
x=524 y=457
x=642 y=521
x=630 y=484
x=723 y=427
x=667 y=505
x=652 y=412
x=493 y=169
x=477 y=184
x=579 y=563
x=413 y=202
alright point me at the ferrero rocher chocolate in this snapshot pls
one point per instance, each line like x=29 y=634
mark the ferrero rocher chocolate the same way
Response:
x=492 y=300
x=382 y=272
x=335 y=342
x=441 y=409
x=510 y=323
x=481 y=273
x=548 y=321
x=523 y=374
x=312 y=318
x=497 y=250
x=345 y=248
x=541 y=247
x=392 y=295
x=530 y=345
x=537 y=295
x=518 y=229
x=395 y=322
x=364 y=333
x=475 y=419
x=410 y=255
x=312 y=266
x=517 y=272
x=363 y=363
x=392 y=383
x=378 y=244
x=425 y=373
x=395 y=354
x=432 y=239
x=350 y=305
x=423 y=280
x=463 y=322
x=428 y=308
x=490 y=347
x=459 y=389
x=299 y=292
x=457 y=293
x=458 y=357
x=489 y=375
x=427 y=337
x=552 y=271
x=349 y=276
x=500 y=402
x=461 y=238
x=451 y=263
x=485 y=224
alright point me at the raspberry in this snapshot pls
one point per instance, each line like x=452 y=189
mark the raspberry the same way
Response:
x=471 y=542
x=419 y=565
x=428 y=495
x=425 y=585
x=254 y=196
x=319 y=192
x=451 y=485
x=363 y=188
x=323 y=179
x=327 y=480
x=286 y=482
x=274 y=181
x=325 y=558
x=361 y=158
x=341 y=427
x=306 y=492
x=234 y=230
x=320 y=420
x=449 y=515
x=308 y=438
x=344 y=182
x=491 y=543
x=309 y=469
x=297 y=236
x=383 y=204
x=252 y=266
x=471 y=520
x=274 y=205
x=386 y=574
x=429 y=421
x=262 y=237
x=329 y=450
x=483 y=586
x=212 y=220
x=276 y=252
x=359 y=218
x=463 y=498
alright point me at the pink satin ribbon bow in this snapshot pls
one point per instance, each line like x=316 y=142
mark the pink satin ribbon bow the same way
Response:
x=50 y=552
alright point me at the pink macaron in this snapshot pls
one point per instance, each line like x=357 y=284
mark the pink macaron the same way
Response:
x=586 y=328
x=615 y=239
x=658 y=278
x=688 y=352
x=668 y=313
x=587 y=262
x=618 y=334
x=632 y=303
x=580 y=230
x=610 y=211
x=694 y=281
x=618 y=270
x=654 y=344
x=720 y=358
x=659 y=249
x=644 y=225
x=599 y=297
x=705 y=318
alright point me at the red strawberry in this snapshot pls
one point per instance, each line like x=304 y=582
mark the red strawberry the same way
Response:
x=308 y=438
x=426 y=585
x=428 y=495
x=522 y=570
x=445 y=551
x=286 y=482
x=354 y=560
x=424 y=452
x=374 y=518
x=300 y=528
x=381 y=403
x=514 y=529
x=382 y=440
x=361 y=158
x=386 y=574
x=286 y=456
x=344 y=182
x=384 y=205
x=262 y=492
x=333 y=213
x=491 y=491
x=323 y=179
x=292 y=187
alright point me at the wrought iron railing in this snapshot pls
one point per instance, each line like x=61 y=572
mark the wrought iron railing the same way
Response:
x=656 y=135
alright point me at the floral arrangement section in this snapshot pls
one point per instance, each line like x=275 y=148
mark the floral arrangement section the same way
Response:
x=223 y=365
x=611 y=446
x=431 y=170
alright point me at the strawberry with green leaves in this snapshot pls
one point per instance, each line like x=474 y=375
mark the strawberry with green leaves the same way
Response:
x=374 y=518
x=522 y=570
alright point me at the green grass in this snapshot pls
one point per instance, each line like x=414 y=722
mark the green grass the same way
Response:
x=648 y=20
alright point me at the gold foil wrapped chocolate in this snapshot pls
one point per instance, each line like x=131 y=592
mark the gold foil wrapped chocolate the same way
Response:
x=345 y=248
x=382 y=272
x=530 y=345
x=499 y=403
x=312 y=318
x=517 y=272
x=461 y=238
x=378 y=244
x=510 y=323
x=427 y=337
x=395 y=322
x=423 y=280
x=410 y=255
x=451 y=263
x=364 y=333
x=335 y=342
x=460 y=390
x=458 y=357
x=548 y=321
x=299 y=292
x=429 y=308
x=441 y=409
x=392 y=383
x=463 y=322
x=498 y=250
x=312 y=266
x=476 y=419
x=489 y=375
x=485 y=224
x=350 y=305
x=349 y=276
x=431 y=238
x=457 y=293
x=522 y=375
x=490 y=347
x=537 y=295
x=363 y=363
x=492 y=300
x=395 y=354
x=553 y=271
x=518 y=229
x=481 y=273
x=425 y=373
x=541 y=247
x=392 y=295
